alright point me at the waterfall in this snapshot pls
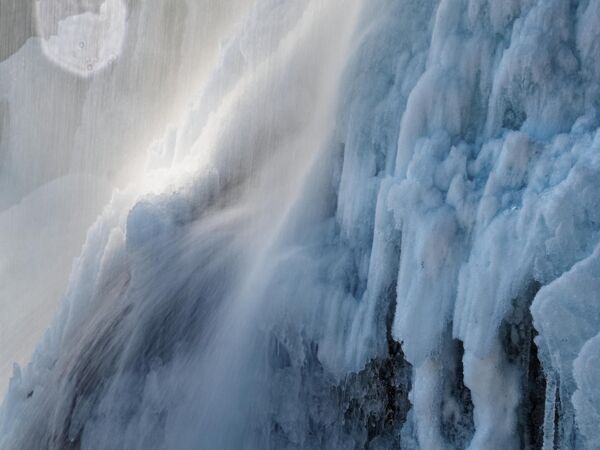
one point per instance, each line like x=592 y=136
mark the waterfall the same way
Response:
x=309 y=224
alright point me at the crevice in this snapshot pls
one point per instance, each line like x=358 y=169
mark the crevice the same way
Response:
x=366 y=410
x=457 y=406
x=556 y=438
x=513 y=118
x=517 y=335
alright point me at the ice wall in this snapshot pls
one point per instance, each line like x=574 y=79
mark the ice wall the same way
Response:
x=376 y=227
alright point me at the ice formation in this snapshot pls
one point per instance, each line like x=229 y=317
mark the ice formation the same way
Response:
x=377 y=226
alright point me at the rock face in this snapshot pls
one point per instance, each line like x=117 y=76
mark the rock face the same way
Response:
x=377 y=227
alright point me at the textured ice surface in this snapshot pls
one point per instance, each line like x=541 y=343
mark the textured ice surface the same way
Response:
x=376 y=227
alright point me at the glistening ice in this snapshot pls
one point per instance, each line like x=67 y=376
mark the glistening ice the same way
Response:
x=300 y=224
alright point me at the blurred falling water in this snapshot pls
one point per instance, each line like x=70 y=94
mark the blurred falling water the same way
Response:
x=67 y=141
x=186 y=264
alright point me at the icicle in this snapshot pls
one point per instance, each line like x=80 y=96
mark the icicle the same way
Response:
x=550 y=412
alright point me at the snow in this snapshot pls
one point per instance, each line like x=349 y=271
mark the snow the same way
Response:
x=353 y=178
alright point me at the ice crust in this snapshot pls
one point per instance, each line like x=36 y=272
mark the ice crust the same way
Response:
x=354 y=178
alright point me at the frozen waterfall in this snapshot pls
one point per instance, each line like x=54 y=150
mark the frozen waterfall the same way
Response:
x=301 y=224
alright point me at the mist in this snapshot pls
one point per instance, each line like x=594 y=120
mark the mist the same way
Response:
x=299 y=224
x=70 y=136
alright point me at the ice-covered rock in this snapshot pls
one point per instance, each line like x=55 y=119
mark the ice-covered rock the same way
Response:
x=376 y=227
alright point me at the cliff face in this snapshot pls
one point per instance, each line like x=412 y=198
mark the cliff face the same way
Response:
x=376 y=227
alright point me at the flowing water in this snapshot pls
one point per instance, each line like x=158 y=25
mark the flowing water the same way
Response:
x=300 y=224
